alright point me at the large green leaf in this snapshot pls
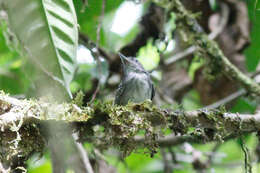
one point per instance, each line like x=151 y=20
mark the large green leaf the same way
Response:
x=253 y=51
x=47 y=31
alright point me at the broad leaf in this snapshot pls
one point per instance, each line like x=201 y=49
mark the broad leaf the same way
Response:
x=253 y=52
x=47 y=31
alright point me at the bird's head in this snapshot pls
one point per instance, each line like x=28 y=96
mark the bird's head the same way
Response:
x=131 y=64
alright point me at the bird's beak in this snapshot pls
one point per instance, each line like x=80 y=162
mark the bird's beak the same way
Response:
x=123 y=58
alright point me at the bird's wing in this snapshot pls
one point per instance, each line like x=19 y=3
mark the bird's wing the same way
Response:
x=152 y=86
x=119 y=93
x=153 y=91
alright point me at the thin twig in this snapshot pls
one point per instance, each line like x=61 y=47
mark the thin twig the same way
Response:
x=180 y=55
x=247 y=162
x=166 y=161
x=213 y=153
x=231 y=97
x=169 y=140
x=84 y=5
x=100 y=22
x=95 y=93
x=225 y=16
x=84 y=156
x=226 y=100
x=97 y=51
x=166 y=98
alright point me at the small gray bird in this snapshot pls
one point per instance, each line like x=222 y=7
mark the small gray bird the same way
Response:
x=136 y=85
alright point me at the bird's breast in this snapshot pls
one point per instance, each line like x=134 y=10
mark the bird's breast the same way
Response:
x=139 y=88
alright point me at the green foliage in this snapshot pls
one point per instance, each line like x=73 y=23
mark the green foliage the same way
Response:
x=149 y=56
x=89 y=17
x=213 y=4
x=40 y=166
x=253 y=51
x=81 y=80
x=244 y=105
x=197 y=63
x=191 y=101
x=78 y=100
x=12 y=77
x=47 y=32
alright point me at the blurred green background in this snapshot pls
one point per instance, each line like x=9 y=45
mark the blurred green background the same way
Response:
x=119 y=27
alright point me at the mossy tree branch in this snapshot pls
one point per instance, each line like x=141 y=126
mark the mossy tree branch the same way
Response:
x=23 y=125
x=187 y=24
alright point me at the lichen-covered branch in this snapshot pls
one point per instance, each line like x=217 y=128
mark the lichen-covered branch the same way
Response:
x=24 y=123
x=187 y=24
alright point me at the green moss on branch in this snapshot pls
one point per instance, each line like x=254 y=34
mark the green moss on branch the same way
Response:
x=23 y=125
x=186 y=22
